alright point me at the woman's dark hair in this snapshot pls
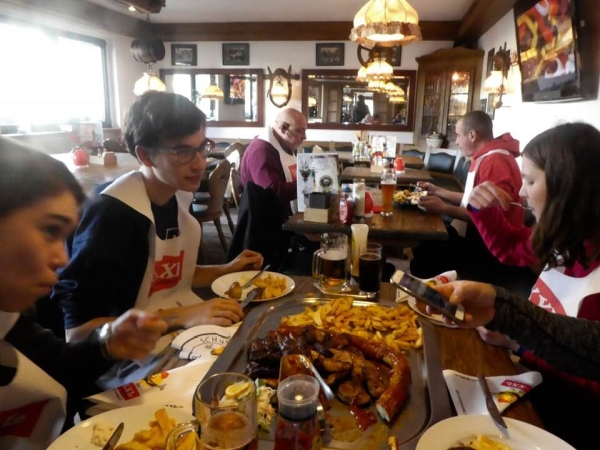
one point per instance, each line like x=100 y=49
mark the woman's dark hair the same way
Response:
x=28 y=176
x=569 y=226
x=160 y=115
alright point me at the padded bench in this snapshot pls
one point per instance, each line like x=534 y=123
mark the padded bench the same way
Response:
x=446 y=174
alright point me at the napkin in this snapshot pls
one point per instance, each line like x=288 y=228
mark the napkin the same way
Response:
x=174 y=388
x=468 y=398
x=198 y=342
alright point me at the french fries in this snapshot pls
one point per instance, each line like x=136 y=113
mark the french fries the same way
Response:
x=272 y=285
x=396 y=327
x=482 y=442
x=155 y=438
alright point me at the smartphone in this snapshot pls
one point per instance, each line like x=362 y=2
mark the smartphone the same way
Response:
x=419 y=290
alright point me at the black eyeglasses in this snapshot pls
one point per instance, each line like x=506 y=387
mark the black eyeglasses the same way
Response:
x=186 y=155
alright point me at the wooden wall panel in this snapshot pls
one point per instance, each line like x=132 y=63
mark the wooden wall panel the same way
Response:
x=481 y=16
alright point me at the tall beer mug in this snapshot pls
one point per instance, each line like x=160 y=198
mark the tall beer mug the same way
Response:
x=330 y=261
x=360 y=231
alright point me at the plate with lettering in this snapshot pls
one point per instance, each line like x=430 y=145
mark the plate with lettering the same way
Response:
x=94 y=432
x=275 y=285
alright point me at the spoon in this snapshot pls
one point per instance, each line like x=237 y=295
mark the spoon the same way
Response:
x=527 y=208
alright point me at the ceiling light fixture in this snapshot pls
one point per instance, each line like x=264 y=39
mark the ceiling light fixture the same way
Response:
x=497 y=82
x=149 y=82
x=148 y=50
x=143 y=6
x=280 y=87
x=213 y=92
x=386 y=23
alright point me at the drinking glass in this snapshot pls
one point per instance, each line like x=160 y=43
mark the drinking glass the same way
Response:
x=330 y=262
x=370 y=267
x=226 y=416
x=388 y=185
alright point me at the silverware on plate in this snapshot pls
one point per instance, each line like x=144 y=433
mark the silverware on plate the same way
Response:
x=251 y=296
x=114 y=438
x=249 y=282
x=491 y=405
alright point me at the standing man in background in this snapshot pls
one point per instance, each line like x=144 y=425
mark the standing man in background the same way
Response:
x=361 y=109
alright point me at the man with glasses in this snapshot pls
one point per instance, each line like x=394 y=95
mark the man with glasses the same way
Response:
x=270 y=159
x=137 y=243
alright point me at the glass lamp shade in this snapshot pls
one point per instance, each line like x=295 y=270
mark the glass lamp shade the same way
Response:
x=397 y=98
x=386 y=23
x=312 y=101
x=213 y=92
x=279 y=91
x=379 y=70
x=494 y=82
x=148 y=82
x=362 y=74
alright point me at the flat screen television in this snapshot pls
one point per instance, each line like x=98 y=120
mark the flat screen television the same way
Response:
x=550 y=42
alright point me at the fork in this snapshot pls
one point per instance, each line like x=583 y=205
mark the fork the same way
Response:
x=527 y=208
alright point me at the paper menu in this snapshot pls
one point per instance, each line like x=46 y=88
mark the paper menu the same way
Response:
x=316 y=173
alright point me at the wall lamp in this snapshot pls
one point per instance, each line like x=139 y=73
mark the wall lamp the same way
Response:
x=280 y=87
x=497 y=82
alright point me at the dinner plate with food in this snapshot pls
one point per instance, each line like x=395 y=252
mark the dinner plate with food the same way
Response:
x=421 y=308
x=144 y=425
x=272 y=285
x=480 y=433
x=407 y=197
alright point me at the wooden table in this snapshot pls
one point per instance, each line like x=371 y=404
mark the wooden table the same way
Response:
x=95 y=174
x=409 y=176
x=411 y=162
x=405 y=228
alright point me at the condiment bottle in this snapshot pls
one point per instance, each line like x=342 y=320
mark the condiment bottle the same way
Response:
x=346 y=205
x=360 y=232
x=399 y=165
x=80 y=157
x=358 y=194
x=297 y=424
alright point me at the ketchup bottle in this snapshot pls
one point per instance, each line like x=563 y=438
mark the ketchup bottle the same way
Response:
x=80 y=157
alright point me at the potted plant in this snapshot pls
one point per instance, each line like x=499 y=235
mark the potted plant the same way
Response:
x=435 y=140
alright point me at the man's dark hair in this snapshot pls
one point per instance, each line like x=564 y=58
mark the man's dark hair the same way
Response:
x=28 y=176
x=480 y=122
x=160 y=115
x=361 y=98
x=569 y=225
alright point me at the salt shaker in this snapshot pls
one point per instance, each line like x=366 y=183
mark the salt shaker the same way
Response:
x=297 y=424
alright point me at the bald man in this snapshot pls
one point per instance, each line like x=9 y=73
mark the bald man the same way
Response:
x=270 y=159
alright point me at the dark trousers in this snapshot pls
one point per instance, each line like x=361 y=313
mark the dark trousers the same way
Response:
x=472 y=260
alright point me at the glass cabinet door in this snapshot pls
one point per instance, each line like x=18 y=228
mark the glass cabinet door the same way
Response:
x=458 y=100
x=433 y=103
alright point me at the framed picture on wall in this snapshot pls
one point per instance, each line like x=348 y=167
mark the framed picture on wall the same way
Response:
x=184 y=54
x=483 y=104
x=236 y=54
x=490 y=62
x=396 y=59
x=330 y=54
x=234 y=91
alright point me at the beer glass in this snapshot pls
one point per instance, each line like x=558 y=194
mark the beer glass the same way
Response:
x=226 y=416
x=370 y=267
x=330 y=261
x=388 y=185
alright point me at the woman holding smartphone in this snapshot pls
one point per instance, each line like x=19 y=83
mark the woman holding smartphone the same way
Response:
x=39 y=203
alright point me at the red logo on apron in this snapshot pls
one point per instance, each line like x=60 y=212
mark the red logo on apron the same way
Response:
x=167 y=273
x=293 y=171
x=21 y=421
x=542 y=296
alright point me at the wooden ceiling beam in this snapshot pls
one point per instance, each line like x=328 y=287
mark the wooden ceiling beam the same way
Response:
x=90 y=13
x=283 y=31
x=481 y=16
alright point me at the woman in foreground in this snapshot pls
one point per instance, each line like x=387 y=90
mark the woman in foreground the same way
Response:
x=39 y=203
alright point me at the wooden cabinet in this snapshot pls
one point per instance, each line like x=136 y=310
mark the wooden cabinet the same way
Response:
x=448 y=87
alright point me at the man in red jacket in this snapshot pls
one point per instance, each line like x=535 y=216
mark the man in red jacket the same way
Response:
x=492 y=160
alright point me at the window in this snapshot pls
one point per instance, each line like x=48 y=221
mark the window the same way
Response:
x=51 y=79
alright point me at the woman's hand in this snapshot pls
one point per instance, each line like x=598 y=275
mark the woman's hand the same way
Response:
x=134 y=334
x=247 y=260
x=487 y=195
x=218 y=311
x=497 y=338
x=478 y=299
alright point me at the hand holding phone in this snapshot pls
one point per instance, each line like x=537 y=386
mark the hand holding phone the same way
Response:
x=432 y=298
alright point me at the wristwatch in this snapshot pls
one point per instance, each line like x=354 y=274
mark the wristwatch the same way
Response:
x=103 y=334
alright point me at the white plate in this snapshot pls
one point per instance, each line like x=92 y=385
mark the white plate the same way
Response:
x=436 y=319
x=222 y=284
x=135 y=418
x=522 y=436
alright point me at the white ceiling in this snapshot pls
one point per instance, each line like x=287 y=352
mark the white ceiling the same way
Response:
x=178 y=11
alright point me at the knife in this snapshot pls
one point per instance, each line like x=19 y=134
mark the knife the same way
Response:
x=249 y=282
x=491 y=405
x=114 y=439
x=251 y=296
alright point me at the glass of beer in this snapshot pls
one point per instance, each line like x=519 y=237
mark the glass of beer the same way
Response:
x=370 y=267
x=225 y=410
x=329 y=264
x=388 y=186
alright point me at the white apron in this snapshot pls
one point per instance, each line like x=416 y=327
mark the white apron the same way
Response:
x=32 y=404
x=288 y=162
x=167 y=281
x=460 y=225
x=561 y=294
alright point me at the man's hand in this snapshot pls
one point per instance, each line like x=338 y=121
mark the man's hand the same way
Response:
x=134 y=334
x=218 y=311
x=487 y=195
x=431 y=188
x=432 y=204
x=247 y=260
x=478 y=300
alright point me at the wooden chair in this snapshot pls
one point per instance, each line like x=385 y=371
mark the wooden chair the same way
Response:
x=212 y=211
x=237 y=187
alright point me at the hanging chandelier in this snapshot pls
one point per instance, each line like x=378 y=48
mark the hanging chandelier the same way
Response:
x=213 y=92
x=148 y=82
x=386 y=23
x=379 y=70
